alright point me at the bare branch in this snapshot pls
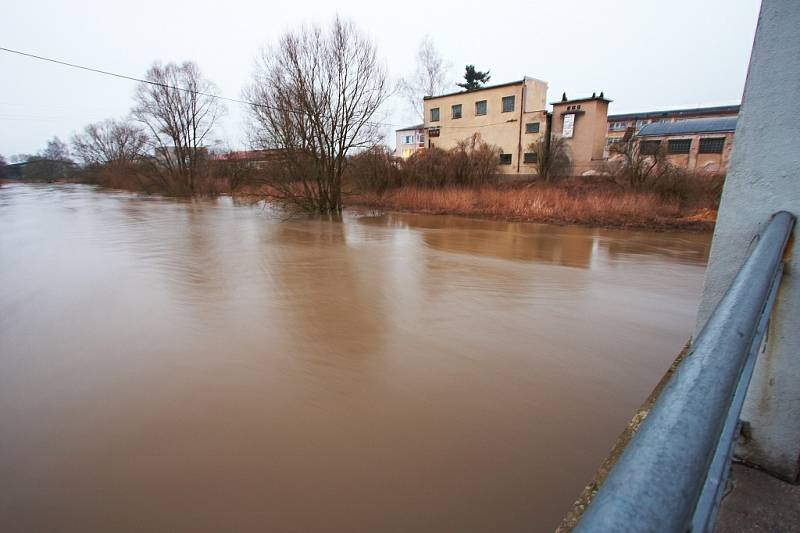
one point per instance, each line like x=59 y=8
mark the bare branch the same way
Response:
x=314 y=96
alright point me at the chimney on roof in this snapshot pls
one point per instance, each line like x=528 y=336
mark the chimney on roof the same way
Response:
x=594 y=95
x=601 y=94
x=564 y=96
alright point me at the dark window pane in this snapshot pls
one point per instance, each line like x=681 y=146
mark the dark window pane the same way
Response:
x=480 y=107
x=435 y=114
x=456 y=109
x=508 y=104
x=649 y=147
x=713 y=145
x=532 y=127
x=679 y=146
x=530 y=158
x=505 y=159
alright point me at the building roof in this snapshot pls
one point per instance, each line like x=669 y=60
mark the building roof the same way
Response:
x=576 y=100
x=688 y=127
x=409 y=128
x=484 y=88
x=716 y=110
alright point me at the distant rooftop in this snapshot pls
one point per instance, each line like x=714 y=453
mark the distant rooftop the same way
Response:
x=484 y=88
x=715 y=110
x=586 y=99
x=689 y=126
x=409 y=128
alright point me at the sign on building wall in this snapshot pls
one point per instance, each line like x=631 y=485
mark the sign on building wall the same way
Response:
x=569 y=126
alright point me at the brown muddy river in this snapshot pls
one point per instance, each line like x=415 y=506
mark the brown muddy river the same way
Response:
x=200 y=366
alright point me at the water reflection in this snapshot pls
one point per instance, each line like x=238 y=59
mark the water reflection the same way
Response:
x=326 y=291
x=558 y=245
x=203 y=366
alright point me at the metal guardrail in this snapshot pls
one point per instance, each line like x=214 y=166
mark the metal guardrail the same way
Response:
x=671 y=476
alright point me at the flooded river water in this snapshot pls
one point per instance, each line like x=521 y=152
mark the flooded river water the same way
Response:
x=200 y=366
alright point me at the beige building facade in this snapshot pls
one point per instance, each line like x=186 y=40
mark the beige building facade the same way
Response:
x=582 y=124
x=510 y=116
x=514 y=116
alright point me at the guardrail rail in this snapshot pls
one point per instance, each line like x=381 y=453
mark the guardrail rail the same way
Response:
x=672 y=474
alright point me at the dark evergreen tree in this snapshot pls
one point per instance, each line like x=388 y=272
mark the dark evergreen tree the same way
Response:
x=474 y=78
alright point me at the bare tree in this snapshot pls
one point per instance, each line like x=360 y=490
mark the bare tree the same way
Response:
x=637 y=166
x=111 y=143
x=314 y=97
x=56 y=150
x=428 y=79
x=178 y=110
x=552 y=158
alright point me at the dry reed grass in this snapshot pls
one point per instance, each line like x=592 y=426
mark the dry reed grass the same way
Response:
x=542 y=203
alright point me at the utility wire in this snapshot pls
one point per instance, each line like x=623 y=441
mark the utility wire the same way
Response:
x=200 y=93
x=131 y=78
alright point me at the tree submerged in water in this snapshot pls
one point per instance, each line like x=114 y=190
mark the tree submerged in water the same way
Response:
x=314 y=97
x=474 y=78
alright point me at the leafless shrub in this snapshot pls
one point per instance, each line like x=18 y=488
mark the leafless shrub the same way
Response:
x=427 y=168
x=373 y=170
x=552 y=158
x=471 y=162
x=234 y=171
x=637 y=169
x=475 y=161
x=314 y=96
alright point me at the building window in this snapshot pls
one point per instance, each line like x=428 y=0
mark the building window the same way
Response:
x=505 y=159
x=530 y=158
x=679 y=146
x=508 y=104
x=480 y=107
x=649 y=147
x=456 y=111
x=408 y=139
x=617 y=126
x=435 y=114
x=711 y=145
x=421 y=138
x=532 y=127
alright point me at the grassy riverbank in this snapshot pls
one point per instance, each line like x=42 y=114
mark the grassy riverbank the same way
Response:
x=548 y=204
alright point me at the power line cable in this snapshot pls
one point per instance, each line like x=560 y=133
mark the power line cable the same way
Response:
x=200 y=93
x=157 y=84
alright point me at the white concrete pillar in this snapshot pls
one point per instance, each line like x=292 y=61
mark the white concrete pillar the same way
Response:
x=764 y=177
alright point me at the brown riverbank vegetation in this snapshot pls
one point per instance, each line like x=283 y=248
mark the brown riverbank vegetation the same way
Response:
x=465 y=181
x=588 y=205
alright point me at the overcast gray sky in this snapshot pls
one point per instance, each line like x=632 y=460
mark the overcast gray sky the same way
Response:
x=645 y=54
